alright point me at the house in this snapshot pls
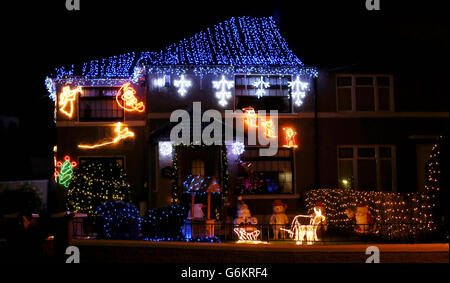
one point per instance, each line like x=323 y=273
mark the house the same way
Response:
x=343 y=128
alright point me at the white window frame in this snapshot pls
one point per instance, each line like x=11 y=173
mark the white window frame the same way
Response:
x=377 y=159
x=375 y=86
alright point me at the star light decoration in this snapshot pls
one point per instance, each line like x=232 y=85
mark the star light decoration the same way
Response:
x=298 y=90
x=182 y=84
x=223 y=86
x=165 y=148
x=261 y=85
x=237 y=148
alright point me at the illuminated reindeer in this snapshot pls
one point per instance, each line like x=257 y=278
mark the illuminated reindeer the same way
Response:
x=299 y=231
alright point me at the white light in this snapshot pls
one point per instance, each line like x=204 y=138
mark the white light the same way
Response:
x=298 y=90
x=237 y=148
x=182 y=84
x=261 y=85
x=159 y=82
x=165 y=148
x=223 y=93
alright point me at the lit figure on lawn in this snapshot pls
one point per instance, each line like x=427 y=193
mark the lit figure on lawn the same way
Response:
x=299 y=231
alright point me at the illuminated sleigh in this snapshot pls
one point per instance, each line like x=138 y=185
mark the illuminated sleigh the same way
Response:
x=299 y=232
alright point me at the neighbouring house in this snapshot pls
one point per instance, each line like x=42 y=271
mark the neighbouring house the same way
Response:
x=347 y=128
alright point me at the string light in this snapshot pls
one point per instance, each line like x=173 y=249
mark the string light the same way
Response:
x=127 y=100
x=289 y=137
x=269 y=128
x=65 y=172
x=165 y=148
x=251 y=118
x=237 y=148
x=261 y=85
x=67 y=98
x=95 y=182
x=121 y=134
x=182 y=84
x=299 y=231
x=298 y=90
x=223 y=86
x=238 y=45
x=245 y=236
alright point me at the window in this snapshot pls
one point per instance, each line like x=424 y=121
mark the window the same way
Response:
x=264 y=174
x=364 y=93
x=198 y=167
x=276 y=96
x=366 y=167
x=99 y=104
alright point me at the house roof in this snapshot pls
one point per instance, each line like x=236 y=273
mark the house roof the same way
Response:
x=243 y=44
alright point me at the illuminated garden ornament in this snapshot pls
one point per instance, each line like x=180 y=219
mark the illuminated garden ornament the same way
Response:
x=223 y=86
x=182 y=84
x=245 y=236
x=261 y=85
x=165 y=148
x=127 y=100
x=66 y=100
x=121 y=134
x=299 y=231
x=237 y=148
x=290 y=139
x=65 y=172
x=298 y=90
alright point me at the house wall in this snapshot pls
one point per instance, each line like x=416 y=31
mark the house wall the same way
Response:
x=319 y=136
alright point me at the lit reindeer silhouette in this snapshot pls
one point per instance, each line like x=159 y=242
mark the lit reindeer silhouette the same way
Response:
x=299 y=231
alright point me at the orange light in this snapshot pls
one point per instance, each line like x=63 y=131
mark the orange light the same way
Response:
x=269 y=129
x=67 y=98
x=299 y=231
x=289 y=137
x=121 y=134
x=126 y=99
x=251 y=117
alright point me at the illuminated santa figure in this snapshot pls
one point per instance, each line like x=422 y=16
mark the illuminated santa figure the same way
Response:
x=364 y=220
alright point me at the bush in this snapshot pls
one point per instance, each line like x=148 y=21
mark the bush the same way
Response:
x=164 y=223
x=95 y=182
x=25 y=199
x=119 y=220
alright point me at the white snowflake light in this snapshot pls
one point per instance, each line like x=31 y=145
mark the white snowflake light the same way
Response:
x=223 y=86
x=298 y=90
x=261 y=85
x=182 y=84
x=159 y=82
x=237 y=148
x=165 y=148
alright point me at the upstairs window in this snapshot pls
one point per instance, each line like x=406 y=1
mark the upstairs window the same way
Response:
x=99 y=104
x=276 y=95
x=364 y=93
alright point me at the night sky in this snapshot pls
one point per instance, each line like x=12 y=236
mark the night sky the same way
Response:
x=42 y=35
